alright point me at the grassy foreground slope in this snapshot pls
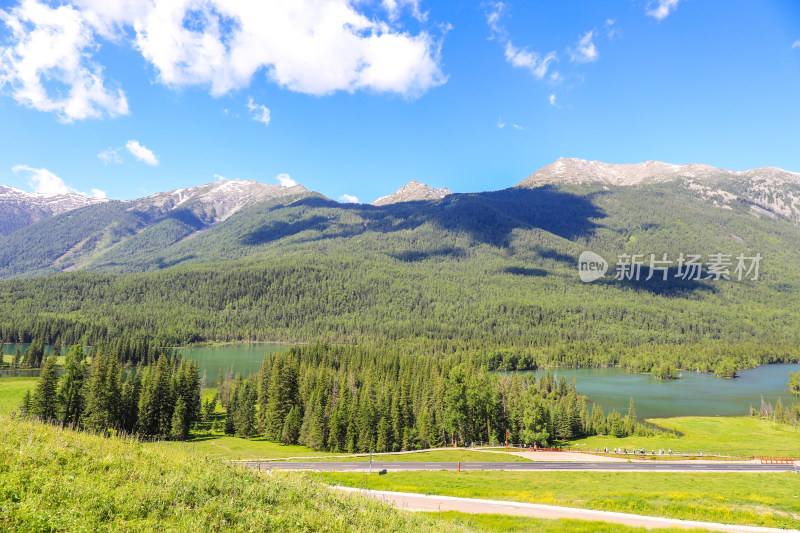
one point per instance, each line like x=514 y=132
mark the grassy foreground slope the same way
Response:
x=60 y=480
x=746 y=499
x=54 y=480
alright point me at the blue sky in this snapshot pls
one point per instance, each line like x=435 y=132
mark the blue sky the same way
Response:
x=132 y=97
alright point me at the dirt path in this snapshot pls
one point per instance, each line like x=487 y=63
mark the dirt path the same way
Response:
x=422 y=502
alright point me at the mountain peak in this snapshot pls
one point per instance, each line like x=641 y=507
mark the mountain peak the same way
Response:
x=217 y=201
x=20 y=208
x=769 y=191
x=576 y=171
x=413 y=191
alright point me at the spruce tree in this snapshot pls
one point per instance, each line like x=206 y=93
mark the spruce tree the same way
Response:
x=104 y=393
x=246 y=410
x=291 y=428
x=25 y=406
x=630 y=420
x=71 y=388
x=43 y=403
x=17 y=359
x=180 y=423
x=157 y=401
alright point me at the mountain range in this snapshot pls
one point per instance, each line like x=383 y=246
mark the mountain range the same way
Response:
x=426 y=268
x=50 y=234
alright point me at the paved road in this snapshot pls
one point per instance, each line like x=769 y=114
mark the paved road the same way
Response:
x=634 y=466
x=422 y=502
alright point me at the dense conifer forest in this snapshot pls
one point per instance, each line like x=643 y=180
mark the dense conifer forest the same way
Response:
x=326 y=397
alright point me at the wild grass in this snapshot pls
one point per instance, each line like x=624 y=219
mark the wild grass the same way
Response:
x=498 y=523
x=768 y=499
x=60 y=480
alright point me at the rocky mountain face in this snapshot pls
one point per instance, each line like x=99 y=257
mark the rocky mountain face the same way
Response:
x=111 y=233
x=21 y=208
x=213 y=202
x=413 y=191
x=769 y=191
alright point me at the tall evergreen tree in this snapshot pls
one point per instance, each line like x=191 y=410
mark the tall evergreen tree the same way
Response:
x=43 y=402
x=104 y=393
x=71 y=388
x=157 y=401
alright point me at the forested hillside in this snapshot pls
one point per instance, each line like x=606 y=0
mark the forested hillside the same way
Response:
x=491 y=274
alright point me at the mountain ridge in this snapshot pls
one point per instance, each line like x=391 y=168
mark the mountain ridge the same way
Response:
x=20 y=208
x=770 y=191
x=413 y=191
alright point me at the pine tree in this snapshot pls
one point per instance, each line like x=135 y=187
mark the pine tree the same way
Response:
x=282 y=395
x=246 y=410
x=156 y=402
x=630 y=420
x=104 y=393
x=57 y=347
x=71 y=389
x=25 y=406
x=264 y=375
x=16 y=358
x=291 y=428
x=43 y=403
x=455 y=400
x=131 y=394
x=180 y=422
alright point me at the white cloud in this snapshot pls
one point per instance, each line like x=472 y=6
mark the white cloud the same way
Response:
x=259 y=113
x=660 y=9
x=584 y=51
x=516 y=57
x=518 y=127
x=286 y=180
x=348 y=199
x=532 y=61
x=394 y=9
x=46 y=63
x=309 y=46
x=109 y=156
x=611 y=31
x=552 y=100
x=45 y=182
x=500 y=123
x=796 y=44
x=141 y=153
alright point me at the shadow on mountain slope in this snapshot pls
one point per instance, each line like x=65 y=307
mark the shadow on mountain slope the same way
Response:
x=488 y=217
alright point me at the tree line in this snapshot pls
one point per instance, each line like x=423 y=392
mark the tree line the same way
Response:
x=348 y=399
x=159 y=399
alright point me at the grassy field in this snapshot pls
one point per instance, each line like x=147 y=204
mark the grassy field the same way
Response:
x=54 y=480
x=727 y=435
x=451 y=456
x=11 y=392
x=747 y=499
x=505 y=524
x=238 y=448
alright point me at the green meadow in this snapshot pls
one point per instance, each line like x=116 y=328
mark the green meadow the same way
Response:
x=726 y=435
x=755 y=499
